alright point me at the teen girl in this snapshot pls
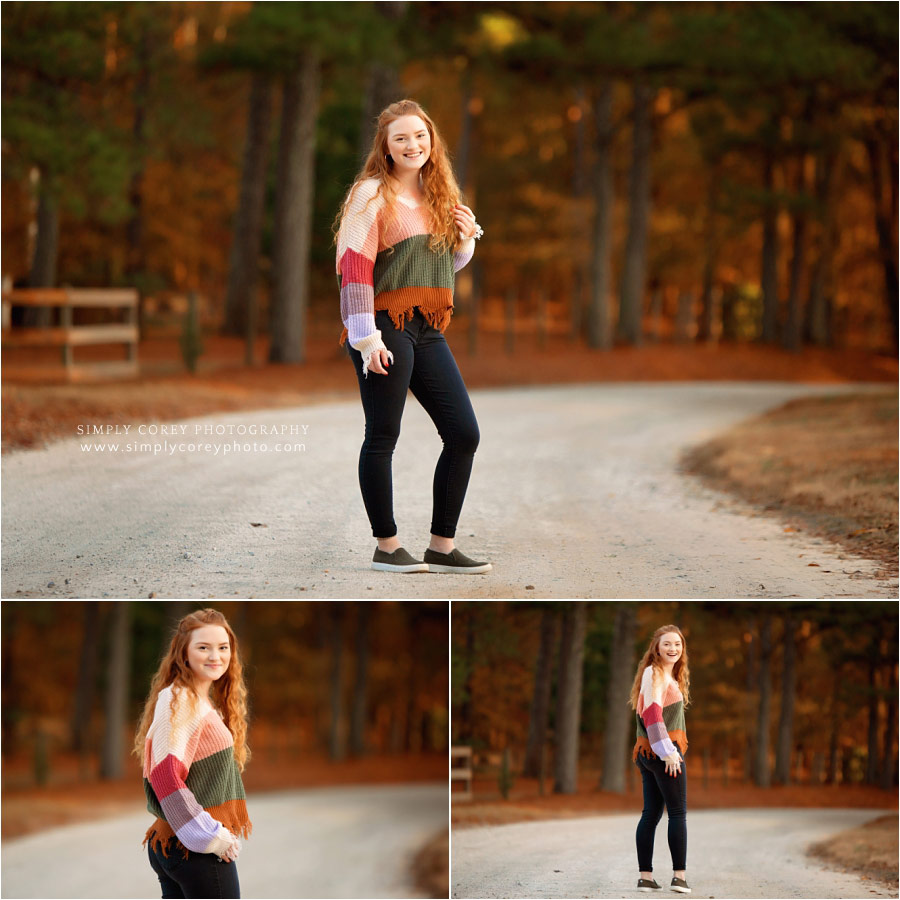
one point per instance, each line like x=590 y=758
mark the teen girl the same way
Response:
x=192 y=743
x=402 y=236
x=660 y=692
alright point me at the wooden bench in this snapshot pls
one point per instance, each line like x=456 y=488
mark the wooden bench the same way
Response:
x=461 y=773
x=68 y=335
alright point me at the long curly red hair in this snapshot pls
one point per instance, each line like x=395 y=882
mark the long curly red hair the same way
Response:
x=441 y=192
x=680 y=671
x=228 y=694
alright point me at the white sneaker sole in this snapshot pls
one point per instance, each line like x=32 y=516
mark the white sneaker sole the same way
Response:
x=680 y=890
x=387 y=567
x=462 y=570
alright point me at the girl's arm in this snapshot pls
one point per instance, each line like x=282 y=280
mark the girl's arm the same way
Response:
x=652 y=715
x=357 y=247
x=462 y=256
x=172 y=749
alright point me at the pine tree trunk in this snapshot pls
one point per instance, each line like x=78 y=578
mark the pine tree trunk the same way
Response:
x=872 y=764
x=769 y=254
x=87 y=681
x=818 y=308
x=360 y=687
x=599 y=318
x=465 y=712
x=763 y=776
x=580 y=181
x=540 y=700
x=888 y=763
x=412 y=740
x=788 y=692
x=135 y=262
x=634 y=272
x=336 y=681
x=619 y=719
x=293 y=211
x=710 y=252
x=461 y=164
x=45 y=258
x=835 y=732
x=117 y=686
x=793 y=329
x=751 y=682
x=887 y=242
x=568 y=705
x=382 y=84
x=243 y=265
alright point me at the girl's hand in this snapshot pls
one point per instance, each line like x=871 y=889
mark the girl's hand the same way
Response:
x=379 y=361
x=673 y=764
x=231 y=853
x=465 y=219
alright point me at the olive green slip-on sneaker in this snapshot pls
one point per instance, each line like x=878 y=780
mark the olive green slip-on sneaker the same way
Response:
x=648 y=886
x=454 y=561
x=680 y=885
x=398 y=561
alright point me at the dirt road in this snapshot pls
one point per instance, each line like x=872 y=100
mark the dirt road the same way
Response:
x=333 y=842
x=574 y=493
x=738 y=853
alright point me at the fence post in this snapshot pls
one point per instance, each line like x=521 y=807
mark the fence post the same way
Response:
x=131 y=318
x=65 y=320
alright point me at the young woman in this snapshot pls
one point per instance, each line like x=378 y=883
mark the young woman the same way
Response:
x=192 y=743
x=402 y=235
x=659 y=695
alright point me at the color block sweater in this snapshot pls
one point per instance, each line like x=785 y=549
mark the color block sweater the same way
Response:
x=191 y=779
x=660 y=718
x=387 y=265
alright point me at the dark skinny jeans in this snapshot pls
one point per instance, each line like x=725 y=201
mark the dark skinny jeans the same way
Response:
x=661 y=790
x=424 y=365
x=200 y=875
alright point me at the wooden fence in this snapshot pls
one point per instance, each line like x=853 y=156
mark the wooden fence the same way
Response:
x=461 y=772
x=68 y=336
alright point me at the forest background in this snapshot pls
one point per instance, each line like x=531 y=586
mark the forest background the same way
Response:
x=352 y=692
x=796 y=698
x=698 y=174
x=669 y=191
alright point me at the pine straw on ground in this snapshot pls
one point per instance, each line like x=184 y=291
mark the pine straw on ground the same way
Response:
x=789 y=463
x=526 y=803
x=869 y=850
x=27 y=809
x=825 y=465
x=34 y=414
x=431 y=867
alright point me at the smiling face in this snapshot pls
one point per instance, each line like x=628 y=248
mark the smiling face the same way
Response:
x=670 y=648
x=208 y=655
x=408 y=143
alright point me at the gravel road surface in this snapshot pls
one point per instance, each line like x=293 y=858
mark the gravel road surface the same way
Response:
x=332 y=842
x=574 y=493
x=735 y=853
